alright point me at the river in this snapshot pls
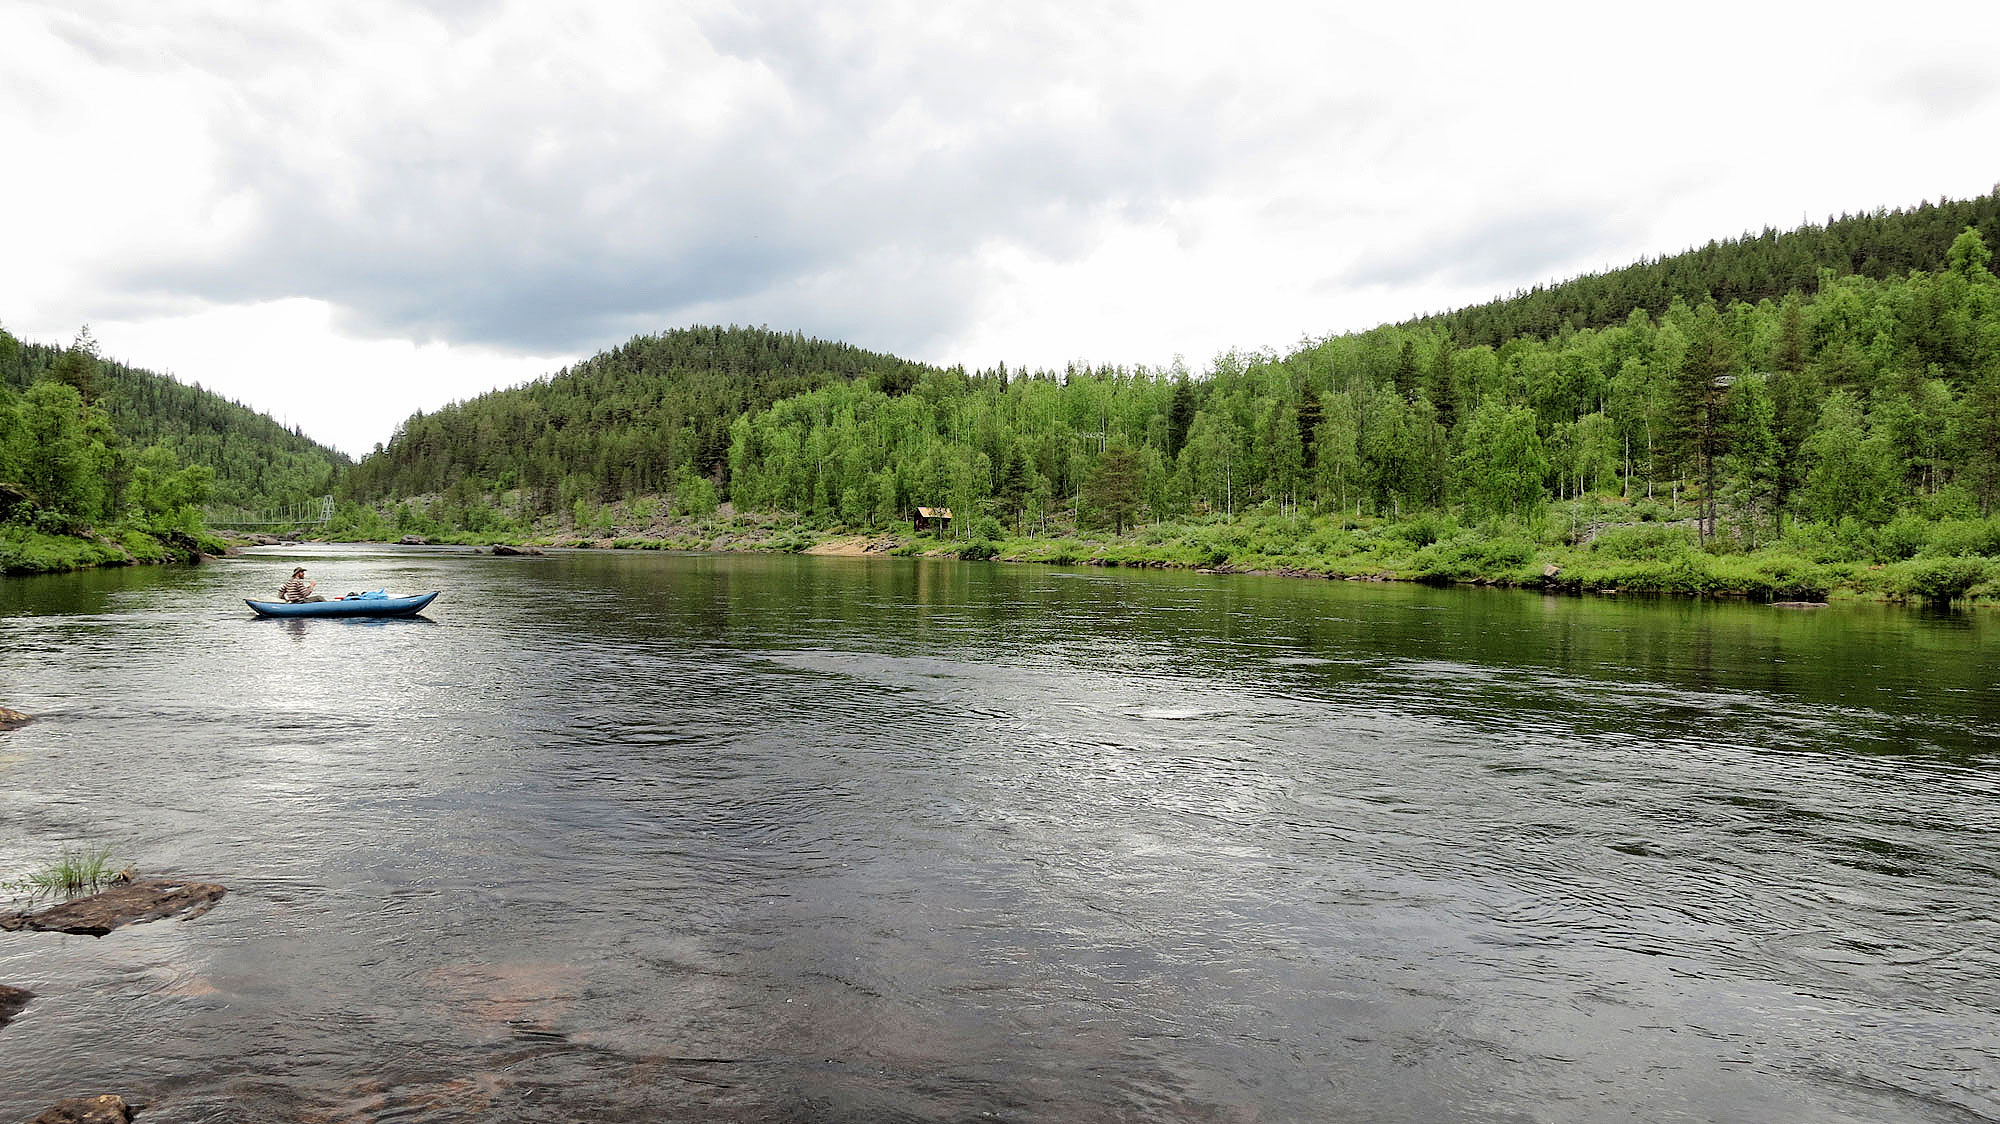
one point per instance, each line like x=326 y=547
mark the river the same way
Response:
x=636 y=836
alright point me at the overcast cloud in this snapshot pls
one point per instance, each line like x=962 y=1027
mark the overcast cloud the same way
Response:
x=343 y=213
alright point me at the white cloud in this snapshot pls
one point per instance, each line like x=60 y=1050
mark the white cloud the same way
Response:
x=287 y=358
x=466 y=195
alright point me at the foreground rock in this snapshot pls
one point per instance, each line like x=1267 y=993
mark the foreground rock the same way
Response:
x=106 y=1109
x=503 y=550
x=11 y=718
x=12 y=999
x=129 y=904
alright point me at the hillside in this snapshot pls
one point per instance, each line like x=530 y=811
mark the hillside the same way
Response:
x=638 y=418
x=1752 y=268
x=257 y=463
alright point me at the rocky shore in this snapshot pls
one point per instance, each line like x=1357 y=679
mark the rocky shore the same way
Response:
x=127 y=903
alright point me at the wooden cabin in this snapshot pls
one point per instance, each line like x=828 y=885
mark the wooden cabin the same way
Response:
x=932 y=519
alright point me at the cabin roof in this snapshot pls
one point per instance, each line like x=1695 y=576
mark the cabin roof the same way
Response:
x=934 y=512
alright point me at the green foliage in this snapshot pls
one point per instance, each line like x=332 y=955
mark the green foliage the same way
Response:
x=1902 y=537
x=640 y=418
x=1783 y=578
x=695 y=496
x=1753 y=268
x=256 y=464
x=1114 y=490
x=60 y=451
x=1959 y=537
x=72 y=872
x=1846 y=541
x=143 y=547
x=1418 y=530
x=1941 y=580
x=24 y=550
x=1651 y=542
x=1471 y=558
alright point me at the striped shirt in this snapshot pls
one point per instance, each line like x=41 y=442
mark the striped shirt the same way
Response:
x=294 y=591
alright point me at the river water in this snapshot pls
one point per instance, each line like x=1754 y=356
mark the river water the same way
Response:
x=651 y=837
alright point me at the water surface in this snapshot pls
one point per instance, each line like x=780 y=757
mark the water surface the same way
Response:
x=643 y=837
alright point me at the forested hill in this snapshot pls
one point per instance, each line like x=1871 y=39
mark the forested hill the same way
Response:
x=638 y=418
x=1752 y=268
x=258 y=464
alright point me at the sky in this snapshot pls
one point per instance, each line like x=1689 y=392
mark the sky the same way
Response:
x=341 y=214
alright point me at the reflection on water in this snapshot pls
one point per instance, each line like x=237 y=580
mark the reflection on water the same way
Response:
x=633 y=837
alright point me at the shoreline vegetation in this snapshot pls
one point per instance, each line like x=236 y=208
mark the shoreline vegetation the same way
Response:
x=25 y=551
x=1601 y=548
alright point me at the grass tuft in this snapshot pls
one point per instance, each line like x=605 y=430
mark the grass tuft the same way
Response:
x=70 y=874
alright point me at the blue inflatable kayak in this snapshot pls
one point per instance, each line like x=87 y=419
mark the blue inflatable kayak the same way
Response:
x=351 y=607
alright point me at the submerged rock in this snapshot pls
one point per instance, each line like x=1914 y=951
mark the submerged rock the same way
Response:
x=127 y=904
x=11 y=718
x=12 y=999
x=107 y=1109
x=504 y=550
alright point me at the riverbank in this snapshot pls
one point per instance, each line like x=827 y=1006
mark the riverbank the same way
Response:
x=25 y=551
x=1809 y=565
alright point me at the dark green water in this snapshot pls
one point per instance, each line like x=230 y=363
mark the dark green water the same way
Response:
x=645 y=837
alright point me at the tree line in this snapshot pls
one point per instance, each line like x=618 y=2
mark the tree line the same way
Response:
x=67 y=469
x=1853 y=402
x=254 y=463
x=1870 y=398
x=1755 y=267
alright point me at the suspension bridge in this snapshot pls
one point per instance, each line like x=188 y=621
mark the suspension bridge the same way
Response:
x=311 y=513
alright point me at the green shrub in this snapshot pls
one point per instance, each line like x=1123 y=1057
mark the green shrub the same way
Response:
x=1794 y=579
x=1957 y=537
x=143 y=547
x=26 y=551
x=1469 y=559
x=1902 y=537
x=978 y=550
x=1655 y=542
x=1850 y=541
x=1941 y=580
x=1418 y=530
x=1952 y=501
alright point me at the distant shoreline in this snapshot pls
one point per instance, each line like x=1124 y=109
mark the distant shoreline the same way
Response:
x=1768 y=576
x=1668 y=568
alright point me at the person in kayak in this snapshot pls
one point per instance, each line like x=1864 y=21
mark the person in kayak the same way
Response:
x=298 y=591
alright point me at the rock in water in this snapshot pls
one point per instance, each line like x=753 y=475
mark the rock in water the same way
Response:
x=128 y=904
x=106 y=1109
x=11 y=718
x=12 y=999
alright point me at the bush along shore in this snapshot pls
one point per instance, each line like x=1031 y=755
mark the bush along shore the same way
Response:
x=24 y=550
x=1605 y=547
